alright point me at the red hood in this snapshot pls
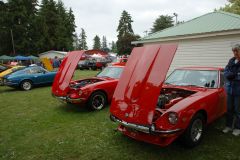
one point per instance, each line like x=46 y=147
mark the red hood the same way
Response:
x=64 y=75
x=136 y=94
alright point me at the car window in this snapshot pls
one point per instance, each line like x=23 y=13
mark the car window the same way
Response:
x=201 y=78
x=112 y=72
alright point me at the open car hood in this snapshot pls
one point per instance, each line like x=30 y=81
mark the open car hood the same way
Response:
x=64 y=75
x=135 y=97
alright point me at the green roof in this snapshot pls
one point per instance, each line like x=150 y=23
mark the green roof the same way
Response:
x=212 y=22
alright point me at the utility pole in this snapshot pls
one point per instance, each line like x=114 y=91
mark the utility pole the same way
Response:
x=12 y=42
x=146 y=32
x=175 y=15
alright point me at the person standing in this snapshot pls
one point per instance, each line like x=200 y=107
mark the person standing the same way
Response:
x=232 y=85
x=56 y=62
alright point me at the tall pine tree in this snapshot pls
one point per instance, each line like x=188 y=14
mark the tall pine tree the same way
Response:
x=125 y=34
x=83 y=40
x=96 y=42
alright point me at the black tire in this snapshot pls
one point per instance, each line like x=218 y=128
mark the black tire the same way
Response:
x=94 y=68
x=26 y=85
x=194 y=133
x=97 y=101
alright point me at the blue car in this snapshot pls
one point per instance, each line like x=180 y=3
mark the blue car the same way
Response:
x=29 y=77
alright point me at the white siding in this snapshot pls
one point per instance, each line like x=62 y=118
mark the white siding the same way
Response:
x=214 y=51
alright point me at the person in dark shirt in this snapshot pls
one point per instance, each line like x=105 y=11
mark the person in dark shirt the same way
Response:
x=232 y=86
x=56 y=62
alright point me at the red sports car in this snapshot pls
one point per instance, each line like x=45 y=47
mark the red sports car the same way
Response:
x=151 y=109
x=96 y=92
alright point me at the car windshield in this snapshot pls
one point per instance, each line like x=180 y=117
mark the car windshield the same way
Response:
x=112 y=72
x=198 y=78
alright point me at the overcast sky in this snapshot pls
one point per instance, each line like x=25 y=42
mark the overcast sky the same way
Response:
x=101 y=17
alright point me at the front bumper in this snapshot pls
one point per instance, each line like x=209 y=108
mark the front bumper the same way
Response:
x=144 y=129
x=67 y=99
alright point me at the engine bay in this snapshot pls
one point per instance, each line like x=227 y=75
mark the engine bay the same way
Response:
x=170 y=96
x=83 y=83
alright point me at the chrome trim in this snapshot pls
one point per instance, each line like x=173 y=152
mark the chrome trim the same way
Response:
x=67 y=99
x=149 y=130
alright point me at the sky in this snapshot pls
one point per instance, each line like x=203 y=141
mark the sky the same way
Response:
x=101 y=17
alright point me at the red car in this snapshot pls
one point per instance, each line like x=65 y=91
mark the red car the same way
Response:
x=96 y=92
x=151 y=109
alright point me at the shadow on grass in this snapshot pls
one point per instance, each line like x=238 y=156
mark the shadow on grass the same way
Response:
x=74 y=108
x=14 y=89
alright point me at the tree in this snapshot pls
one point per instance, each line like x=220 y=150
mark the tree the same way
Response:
x=114 y=47
x=161 y=23
x=125 y=34
x=83 y=40
x=96 y=42
x=232 y=7
x=104 y=44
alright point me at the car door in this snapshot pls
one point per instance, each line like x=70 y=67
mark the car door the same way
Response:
x=38 y=75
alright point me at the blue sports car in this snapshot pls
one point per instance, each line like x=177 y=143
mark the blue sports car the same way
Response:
x=29 y=77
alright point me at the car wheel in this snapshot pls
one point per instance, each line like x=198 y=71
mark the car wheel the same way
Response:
x=97 y=101
x=194 y=133
x=26 y=85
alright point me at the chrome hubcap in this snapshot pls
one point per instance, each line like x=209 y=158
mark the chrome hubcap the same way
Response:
x=26 y=85
x=98 y=102
x=196 y=131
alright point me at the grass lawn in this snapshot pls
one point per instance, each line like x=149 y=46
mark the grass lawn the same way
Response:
x=34 y=125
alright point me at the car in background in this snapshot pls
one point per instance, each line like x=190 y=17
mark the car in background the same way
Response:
x=87 y=64
x=9 y=71
x=29 y=77
x=4 y=67
x=95 y=92
x=121 y=61
x=158 y=111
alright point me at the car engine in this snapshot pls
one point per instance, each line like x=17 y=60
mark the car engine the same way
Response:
x=82 y=83
x=169 y=97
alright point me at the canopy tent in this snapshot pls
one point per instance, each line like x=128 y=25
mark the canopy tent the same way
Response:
x=4 y=57
x=21 y=58
x=33 y=57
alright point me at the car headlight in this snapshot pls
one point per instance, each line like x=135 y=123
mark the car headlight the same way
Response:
x=80 y=92
x=173 y=118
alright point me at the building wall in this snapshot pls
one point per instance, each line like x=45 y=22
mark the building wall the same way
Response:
x=214 y=51
x=52 y=55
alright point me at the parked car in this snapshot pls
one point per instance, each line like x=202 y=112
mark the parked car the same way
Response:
x=4 y=67
x=121 y=61
x=156 y=111
x=9 y=71
x=29 y=77
x=95 y=92
x=87 y=64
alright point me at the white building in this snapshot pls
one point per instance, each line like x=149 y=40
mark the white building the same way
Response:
x=52 y=54
x=204 y=41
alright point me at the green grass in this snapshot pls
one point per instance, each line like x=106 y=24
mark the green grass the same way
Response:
x=33 y=125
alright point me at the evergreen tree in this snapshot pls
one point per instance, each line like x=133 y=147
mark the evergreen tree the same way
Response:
x=114 y=47
x=49 y=21
x=83 y=40
x=104 y=44
x=232 y=7
x=5 y=40
x=70 y=25
x=21 y=17
x=96 y=42
x=125 y=34
x=161 y=23
x=76 y=42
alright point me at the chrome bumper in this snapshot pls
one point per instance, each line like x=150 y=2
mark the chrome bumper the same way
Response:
x=145 y=129
x=68 y=99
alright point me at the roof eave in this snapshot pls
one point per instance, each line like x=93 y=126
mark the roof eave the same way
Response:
x=190 y=36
